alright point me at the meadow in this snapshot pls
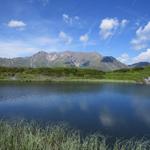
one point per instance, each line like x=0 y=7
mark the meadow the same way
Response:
x=73 y=74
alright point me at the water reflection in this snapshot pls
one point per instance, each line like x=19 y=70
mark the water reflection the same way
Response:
x=106 y=118
x=142 y=110
x=113 y=109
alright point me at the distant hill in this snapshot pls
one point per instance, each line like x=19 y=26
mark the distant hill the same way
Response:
x=65 y=59
x=140 y=64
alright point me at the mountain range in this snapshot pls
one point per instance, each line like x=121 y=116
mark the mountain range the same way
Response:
x=65 y=59
x=139 y=64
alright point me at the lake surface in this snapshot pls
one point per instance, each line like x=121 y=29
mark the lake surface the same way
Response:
x=113 y=109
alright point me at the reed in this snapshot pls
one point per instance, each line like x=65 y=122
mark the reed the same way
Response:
x=30 y=136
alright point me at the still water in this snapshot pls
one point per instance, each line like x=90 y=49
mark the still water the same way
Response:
x=121 y=110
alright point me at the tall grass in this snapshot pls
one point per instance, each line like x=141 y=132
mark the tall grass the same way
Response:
x=30 y=136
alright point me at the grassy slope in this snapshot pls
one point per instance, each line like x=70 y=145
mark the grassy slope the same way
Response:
x=73 y=74
x=29 y=136
x=136 y=74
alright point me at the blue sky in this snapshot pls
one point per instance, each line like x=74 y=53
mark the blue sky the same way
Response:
x=119 y=28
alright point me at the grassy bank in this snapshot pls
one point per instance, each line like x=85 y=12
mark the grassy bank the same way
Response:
x=69 y=81
x=136 y=75
x=29 y=136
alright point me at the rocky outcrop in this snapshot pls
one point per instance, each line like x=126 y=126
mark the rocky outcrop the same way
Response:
x=65 y=59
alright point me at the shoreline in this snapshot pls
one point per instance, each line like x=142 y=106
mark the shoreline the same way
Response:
x=74 y=75
x=72 y=81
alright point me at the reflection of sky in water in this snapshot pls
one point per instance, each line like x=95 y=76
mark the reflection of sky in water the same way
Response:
x=114 y=109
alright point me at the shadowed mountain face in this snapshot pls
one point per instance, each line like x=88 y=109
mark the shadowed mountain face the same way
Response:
x=140 y=64
x=65 y=59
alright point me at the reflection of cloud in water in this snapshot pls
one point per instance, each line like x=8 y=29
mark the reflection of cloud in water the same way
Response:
x=106 y=118
x=142 y=110
x=66 y=105
x=84 y=105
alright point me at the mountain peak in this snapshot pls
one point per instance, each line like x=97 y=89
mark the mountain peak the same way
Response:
x=66 y=59
x=40 y=53
x=108 y=59
x=140 y=64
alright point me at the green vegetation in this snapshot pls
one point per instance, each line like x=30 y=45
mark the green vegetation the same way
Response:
x=73 y=74
x=30 y=136
x=48 y=74
x=134 y=74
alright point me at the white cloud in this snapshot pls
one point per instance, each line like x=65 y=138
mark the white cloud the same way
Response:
x=141 y=57
x=65 y=38
x=16 y=24
x=108 y=26
x=142 y=38
x=84 y=38
x=76 y=17
x=124 y=58
x=26 y=47
x=70 y=20
x=66 y=18
x=124 y=22
x=10 y=49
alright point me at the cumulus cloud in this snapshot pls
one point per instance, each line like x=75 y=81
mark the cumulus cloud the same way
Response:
x=84 y=38
x=65 y=38
x=142 y=38
x=108 y=26
x=16 y=24
x=70 y=20
x=141 y=57
x=124 y=22
x=124 y=58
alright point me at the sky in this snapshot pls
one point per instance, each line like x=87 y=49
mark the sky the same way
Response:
x=118 y=28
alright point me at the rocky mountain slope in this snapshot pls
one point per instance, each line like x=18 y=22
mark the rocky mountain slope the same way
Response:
x=139 y=64
x=65 y=59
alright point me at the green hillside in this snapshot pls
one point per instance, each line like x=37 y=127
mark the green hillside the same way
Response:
x=72 y=74
x=135 y=74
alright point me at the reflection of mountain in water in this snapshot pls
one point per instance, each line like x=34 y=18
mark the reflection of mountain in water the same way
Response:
x=25 y=89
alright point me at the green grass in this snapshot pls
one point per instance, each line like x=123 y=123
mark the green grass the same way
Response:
x=73 y=74
x=30 y=136
x=135 y=74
